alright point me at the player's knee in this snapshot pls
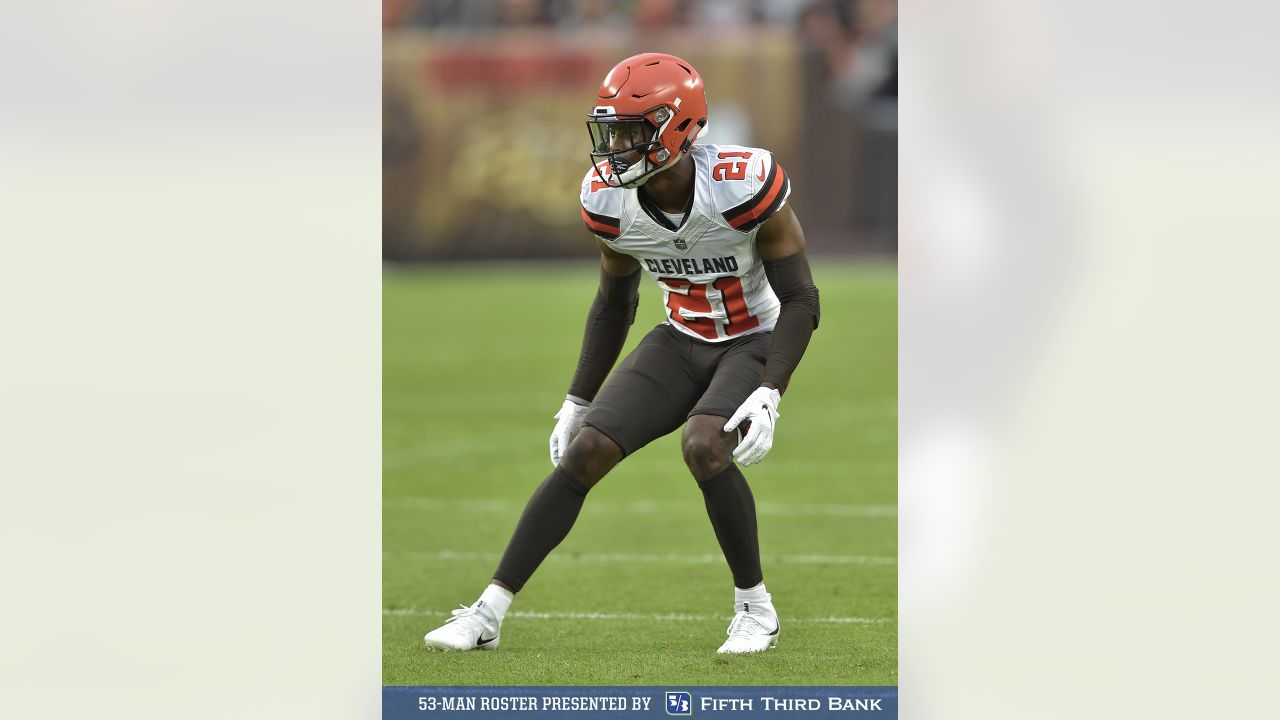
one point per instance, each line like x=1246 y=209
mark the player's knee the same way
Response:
x=590 y=456
x=705 y=449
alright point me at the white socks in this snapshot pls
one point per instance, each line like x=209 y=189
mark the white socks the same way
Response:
x=498 y=599
x=756 y=594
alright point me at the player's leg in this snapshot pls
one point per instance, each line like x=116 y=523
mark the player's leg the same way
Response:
x=708 y=451
x=545 y=522
x=552 y=510
x=647 y=396
x=730 y=504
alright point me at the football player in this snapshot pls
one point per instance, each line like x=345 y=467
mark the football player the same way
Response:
x=709 y=224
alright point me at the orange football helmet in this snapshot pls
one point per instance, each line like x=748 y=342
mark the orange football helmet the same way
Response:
x=650 y=109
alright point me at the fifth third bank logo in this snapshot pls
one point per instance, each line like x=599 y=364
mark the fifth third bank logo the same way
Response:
x=679 y=703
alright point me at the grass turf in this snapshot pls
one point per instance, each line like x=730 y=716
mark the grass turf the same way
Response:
x=475 y=362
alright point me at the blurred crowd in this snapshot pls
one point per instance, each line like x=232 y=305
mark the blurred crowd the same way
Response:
x=856 y=38
x=642 y=14
x=813 y=80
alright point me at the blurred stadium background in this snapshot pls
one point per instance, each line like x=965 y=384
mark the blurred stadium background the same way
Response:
x=484 y=147
x=484 y=101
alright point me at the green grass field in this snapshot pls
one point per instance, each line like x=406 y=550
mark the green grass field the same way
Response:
x=476 y=360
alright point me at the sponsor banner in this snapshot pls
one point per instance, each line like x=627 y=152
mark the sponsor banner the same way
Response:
x=634 y=703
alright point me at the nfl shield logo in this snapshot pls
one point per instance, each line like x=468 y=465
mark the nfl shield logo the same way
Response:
x=679 y=703
x=680 y=244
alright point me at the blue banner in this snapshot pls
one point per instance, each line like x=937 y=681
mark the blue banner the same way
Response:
x=636 y=703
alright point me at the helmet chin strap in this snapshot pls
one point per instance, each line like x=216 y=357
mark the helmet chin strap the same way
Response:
x=646 y=176
x=670 y=163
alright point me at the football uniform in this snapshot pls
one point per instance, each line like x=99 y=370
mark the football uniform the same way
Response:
x=716 y=346
x=710 y=352
x=712 y=279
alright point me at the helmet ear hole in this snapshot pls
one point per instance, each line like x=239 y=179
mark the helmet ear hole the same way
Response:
x=683 y=125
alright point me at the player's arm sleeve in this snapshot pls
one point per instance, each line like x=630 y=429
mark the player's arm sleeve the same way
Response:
x=610 y=317
x=792 y=282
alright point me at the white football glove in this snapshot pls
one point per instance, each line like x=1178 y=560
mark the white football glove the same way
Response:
x=568 y=423
x=761 y=410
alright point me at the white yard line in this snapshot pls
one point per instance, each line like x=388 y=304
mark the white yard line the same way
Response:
x=459 y=450
x=662 y=617
x=707 y=558
x=646 y=507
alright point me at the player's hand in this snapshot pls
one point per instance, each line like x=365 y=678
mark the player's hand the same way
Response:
x=568 y=423
x=761 y=410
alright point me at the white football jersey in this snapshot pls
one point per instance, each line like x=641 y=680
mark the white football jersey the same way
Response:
x=712 y=279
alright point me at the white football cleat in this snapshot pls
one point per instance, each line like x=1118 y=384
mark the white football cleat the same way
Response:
x=754 y=628
x=470 y=628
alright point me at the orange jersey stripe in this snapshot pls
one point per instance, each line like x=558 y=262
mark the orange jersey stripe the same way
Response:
x=599 y=226
x=779 y=180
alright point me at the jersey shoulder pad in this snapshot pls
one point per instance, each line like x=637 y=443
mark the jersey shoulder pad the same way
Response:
x=747 y=185
x=601 y=206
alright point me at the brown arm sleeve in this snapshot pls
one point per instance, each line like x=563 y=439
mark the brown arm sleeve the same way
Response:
x=608 y=320
x=792 y=282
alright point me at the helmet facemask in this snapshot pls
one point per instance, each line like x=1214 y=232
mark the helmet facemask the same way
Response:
x=626 y=149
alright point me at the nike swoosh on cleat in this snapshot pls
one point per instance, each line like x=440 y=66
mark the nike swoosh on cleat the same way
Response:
x=775 y=630
x=483 y=641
